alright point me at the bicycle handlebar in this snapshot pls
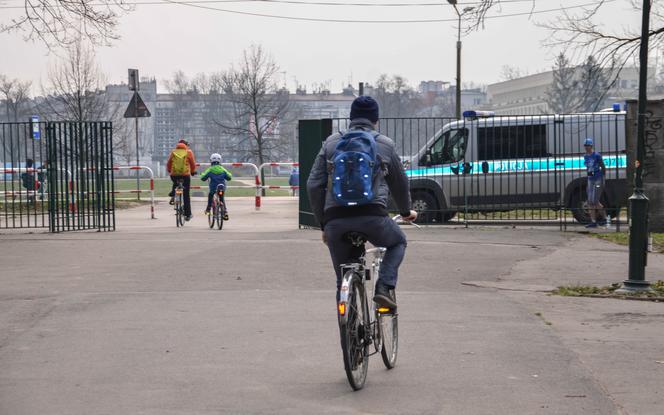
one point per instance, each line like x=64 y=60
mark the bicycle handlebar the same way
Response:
x=399 y=219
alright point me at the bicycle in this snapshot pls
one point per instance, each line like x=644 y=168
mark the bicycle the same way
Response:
x=218 y=209
x=179 y=204
x=360 y=328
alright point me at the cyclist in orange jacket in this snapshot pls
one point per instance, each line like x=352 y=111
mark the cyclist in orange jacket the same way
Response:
x=181 y=166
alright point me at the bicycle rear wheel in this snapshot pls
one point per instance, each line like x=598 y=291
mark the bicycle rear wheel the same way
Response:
x=389 y=333
x=354 y=334
x=212 y=216
x=179 y=215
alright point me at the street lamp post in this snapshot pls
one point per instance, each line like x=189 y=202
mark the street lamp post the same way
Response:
x=638 y=202
x=458 y=57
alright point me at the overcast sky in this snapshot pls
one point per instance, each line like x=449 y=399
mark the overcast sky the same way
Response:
x=160 y=39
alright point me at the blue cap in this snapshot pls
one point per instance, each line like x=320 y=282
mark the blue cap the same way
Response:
x=588 y=142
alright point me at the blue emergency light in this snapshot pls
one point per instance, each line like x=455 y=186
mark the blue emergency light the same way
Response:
x=478 y=114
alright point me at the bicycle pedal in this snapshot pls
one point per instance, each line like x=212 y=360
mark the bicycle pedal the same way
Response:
x=387 y=310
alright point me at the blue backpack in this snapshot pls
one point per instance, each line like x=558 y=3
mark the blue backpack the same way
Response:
x=353 y=168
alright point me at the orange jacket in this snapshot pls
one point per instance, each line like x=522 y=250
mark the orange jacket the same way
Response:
x=190 y=159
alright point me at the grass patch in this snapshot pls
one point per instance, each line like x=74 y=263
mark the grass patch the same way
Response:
x=622 y=238
x=609 y=291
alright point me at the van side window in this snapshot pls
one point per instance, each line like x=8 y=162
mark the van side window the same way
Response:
x=449 y=148
x=511 y=142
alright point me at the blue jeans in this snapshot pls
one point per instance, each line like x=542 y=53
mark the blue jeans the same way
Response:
x=380 y=231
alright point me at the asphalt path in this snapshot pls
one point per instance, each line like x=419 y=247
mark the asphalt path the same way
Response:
x=152 y=319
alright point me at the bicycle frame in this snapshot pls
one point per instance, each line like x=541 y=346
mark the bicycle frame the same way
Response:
x=365 y=274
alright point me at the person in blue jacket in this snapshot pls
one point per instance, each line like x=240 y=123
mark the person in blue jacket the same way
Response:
x=217 y=175
x=596 y=171
x=294 y=179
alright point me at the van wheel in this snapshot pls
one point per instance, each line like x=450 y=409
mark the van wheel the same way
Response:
x=426 y=207
x=578 y=201
x=577 y=204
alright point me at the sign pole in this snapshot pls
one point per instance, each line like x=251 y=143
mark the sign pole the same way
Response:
x=138 y=172
x=136 y=109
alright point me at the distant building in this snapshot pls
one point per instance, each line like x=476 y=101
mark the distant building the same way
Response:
x=527 y=95
x=472 y=99
x=432 y=87
x=196 y=117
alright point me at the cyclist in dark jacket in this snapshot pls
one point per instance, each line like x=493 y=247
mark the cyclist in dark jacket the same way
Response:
x=370 y=219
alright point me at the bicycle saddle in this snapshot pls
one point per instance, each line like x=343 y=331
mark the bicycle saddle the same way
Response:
x=355 y=238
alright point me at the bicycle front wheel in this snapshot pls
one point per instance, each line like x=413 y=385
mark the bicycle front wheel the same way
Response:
x=355 y=334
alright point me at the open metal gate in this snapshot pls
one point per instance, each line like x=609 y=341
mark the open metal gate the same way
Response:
x=57 y=175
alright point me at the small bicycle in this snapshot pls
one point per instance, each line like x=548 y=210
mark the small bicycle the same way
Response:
x=360 y=326
x=179 y=204
x=218 y=211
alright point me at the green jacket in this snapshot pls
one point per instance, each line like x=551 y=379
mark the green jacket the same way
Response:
x=217 y=175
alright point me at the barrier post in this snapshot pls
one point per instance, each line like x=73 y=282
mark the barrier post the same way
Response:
x=138 y=191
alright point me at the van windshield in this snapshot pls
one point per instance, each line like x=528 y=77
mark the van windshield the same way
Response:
x=448 y=148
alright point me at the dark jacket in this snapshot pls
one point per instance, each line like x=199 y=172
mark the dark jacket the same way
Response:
x=393 y=180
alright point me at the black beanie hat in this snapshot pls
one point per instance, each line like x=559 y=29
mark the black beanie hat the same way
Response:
x=364 y=107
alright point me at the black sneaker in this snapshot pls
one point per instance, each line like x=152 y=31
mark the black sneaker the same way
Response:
x=188 y=218
x=171 y=202
x=384 y=296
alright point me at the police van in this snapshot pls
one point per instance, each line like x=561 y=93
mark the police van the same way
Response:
x=488 y=163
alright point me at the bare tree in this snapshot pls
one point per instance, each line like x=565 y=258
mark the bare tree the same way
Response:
x=561 y=94
x=57 y=22
x=256 y=107
x=577 y=88
x=593 y=85
x=180 y=84
x=16 y=96
x=395 y=97
x=509 y=72
x=582 y=33
x=74 y=93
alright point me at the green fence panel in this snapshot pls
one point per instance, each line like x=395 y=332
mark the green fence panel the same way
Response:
x=311 y=134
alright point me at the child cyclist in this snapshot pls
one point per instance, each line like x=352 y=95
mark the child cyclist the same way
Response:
x=217 y=175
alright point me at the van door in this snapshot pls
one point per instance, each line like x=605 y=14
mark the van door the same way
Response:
x=445 y=162
x=514 y=165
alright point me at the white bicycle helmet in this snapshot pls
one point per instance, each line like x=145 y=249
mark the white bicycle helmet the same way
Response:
x=216 y=157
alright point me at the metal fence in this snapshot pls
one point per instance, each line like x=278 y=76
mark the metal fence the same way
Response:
x=57 y=175
x=507 y=168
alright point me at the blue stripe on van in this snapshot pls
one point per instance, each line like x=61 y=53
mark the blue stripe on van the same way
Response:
x=522 y=165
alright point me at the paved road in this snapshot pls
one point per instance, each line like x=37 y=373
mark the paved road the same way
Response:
x=157 y=320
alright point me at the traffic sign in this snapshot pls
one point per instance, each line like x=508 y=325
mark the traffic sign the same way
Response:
x=134 y=82
x=36 y=134
x=137 y=108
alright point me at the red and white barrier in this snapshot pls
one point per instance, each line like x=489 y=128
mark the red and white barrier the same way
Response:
x=257 y=179
x=19 y=170
x=277 y=164
x=151 y=190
